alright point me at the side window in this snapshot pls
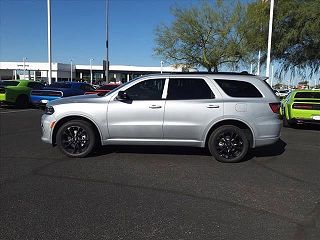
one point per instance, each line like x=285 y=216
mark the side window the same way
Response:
x=147 y=90
x=180 y=89
x=239 y=89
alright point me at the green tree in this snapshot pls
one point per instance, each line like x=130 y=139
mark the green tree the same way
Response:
x=202 y=36
x=296 y=35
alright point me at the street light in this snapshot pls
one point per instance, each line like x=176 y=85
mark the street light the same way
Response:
x=269 y=40
x=107 y=41
x=24 y=67
x=91 y=59
x=161 y=65
x=71 y=70
x=49 y=40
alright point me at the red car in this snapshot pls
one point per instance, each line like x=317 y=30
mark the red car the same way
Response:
x=105 y=88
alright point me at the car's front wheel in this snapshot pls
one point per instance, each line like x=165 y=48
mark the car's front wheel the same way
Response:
x=228 y=144
x=76 y=138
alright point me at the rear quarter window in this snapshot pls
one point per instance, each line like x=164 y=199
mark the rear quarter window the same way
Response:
x=239 y=89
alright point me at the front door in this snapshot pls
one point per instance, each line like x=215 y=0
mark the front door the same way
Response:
x=141 y=116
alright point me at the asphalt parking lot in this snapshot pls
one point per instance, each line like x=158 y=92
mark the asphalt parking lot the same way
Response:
x=155 y=192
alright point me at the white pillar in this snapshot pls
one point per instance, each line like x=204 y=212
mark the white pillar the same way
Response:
x=15 y=74
x=269 y=40
x=128 y=77
x=80 y=75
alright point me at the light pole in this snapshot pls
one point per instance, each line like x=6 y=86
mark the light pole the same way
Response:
x=161 y=66
x=107 y=41
x=91 y=59
x=269 y=40
x=24 y=67
x=258 y=67
x=70 y=70
x=49 y=40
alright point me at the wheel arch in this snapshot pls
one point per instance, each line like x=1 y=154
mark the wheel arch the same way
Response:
x=238 y=123
x=63 y=120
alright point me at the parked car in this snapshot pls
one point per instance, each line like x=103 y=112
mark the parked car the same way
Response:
x=228 y=113
x=282 y=93
x=104 y=88
x=301 y=107
x=58 y=90
x=17 y=91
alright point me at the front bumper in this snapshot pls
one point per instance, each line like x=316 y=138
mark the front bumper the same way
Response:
x=47 y=124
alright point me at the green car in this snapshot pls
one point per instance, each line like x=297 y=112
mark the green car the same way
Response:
x=301 y=107
x=17 y=91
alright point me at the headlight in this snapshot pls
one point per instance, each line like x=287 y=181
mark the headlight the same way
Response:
x=49 y=110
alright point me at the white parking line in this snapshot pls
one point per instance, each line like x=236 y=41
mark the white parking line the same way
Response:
x=14 y=111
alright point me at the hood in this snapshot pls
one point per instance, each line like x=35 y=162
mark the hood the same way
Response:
x=90 y=98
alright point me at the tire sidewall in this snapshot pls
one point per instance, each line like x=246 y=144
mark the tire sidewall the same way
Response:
x=22 y=101
x=217 y=132
x=87 y=127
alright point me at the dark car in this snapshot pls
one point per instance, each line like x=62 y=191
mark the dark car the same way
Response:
x=59 y=90
x=104 y=88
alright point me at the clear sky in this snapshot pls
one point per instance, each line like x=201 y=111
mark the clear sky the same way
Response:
x=78 y=30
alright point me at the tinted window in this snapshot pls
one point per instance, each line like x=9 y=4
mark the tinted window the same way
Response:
x=307 y=95
x=147 y=90
x=108 y=87
x=87 y=87
x=35 y=85
x=9 y=83
x=60 y=85
x=189 y=89
x=238 y=88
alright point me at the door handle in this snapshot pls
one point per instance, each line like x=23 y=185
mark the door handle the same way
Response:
x=213 y=106
x=155 y=106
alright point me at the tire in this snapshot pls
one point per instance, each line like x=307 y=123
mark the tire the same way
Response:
x=76 y=138
x=285 y=121
x=22 y=101
x=228 y=144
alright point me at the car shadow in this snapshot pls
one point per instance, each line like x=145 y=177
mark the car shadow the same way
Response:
x=266 y=151
x=169 y=150
x=273 y=150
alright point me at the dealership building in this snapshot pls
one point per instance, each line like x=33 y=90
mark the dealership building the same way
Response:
x=62 y=72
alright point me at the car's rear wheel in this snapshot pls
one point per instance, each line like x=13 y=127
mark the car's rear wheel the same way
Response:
x=285 y=121
x=228 y=144
x=22 y=101
x=76 y=138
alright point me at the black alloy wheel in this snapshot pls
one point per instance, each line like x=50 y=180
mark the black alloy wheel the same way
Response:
x=228 y=144
x=76 y=138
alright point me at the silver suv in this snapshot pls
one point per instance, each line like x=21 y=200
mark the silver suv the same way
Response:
x=227 y=113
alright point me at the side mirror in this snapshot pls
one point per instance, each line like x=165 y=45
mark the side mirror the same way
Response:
x=122 y=96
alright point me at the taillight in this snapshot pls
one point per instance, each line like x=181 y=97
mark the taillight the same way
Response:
x=302 y=106
x=275 y=107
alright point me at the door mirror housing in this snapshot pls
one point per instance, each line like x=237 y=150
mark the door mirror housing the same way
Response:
x=122 y=96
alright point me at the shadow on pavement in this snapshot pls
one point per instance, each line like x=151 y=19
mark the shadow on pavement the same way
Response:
x=268 y=151
x=170 y=150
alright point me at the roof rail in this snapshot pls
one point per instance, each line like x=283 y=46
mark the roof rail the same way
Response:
x=214 y=73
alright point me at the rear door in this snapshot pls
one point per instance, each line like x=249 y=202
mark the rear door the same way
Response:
x=191 y=105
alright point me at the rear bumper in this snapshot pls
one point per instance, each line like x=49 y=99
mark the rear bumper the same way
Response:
x=304 y=121
x=266 y=141
x=41 y=100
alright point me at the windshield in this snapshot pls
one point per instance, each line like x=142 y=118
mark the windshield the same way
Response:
x=9 y=83
x=307 y=95
x=108 y=87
